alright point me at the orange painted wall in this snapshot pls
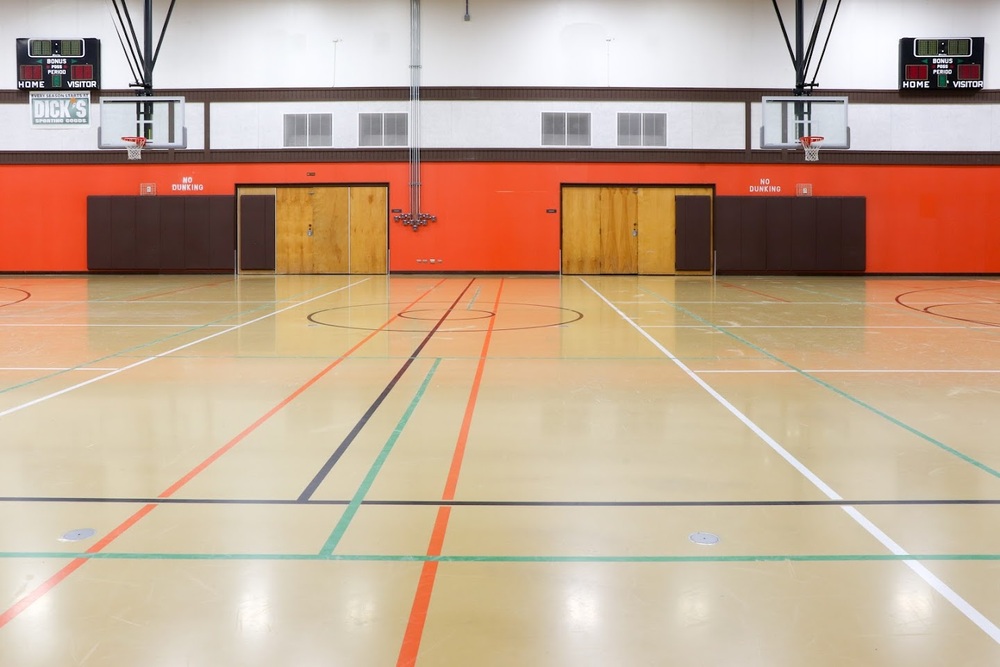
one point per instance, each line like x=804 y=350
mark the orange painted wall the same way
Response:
x=492 y=216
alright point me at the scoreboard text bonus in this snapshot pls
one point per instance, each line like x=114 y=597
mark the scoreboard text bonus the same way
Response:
x=58 y=64
x=941 y=64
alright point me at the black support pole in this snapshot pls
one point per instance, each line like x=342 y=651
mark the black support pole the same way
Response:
x=147 y=69
x=147 y=48
x=800 y=52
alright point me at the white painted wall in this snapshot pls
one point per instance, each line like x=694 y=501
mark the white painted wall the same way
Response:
x=669 y=43
x=629 y=43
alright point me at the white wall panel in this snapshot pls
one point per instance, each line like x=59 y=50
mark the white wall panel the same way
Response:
x=19 y=135
x=236 y=126
x=871 y=126
x=718 y=126
x=994 y=133
x=945 y=127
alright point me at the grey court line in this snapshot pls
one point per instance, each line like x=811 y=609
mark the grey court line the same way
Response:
x=918 y=568
x=146 y=360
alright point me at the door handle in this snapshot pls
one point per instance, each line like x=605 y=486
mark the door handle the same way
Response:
x=635 y=232
x=309 y=232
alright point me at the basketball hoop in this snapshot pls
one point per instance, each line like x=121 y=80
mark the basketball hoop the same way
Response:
x=811 y=146
x=134 y=147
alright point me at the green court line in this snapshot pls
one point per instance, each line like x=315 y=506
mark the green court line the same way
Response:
x=366 y=485
x=422 y=558
x=840 y=392
x=474 y=297
x=123 y=354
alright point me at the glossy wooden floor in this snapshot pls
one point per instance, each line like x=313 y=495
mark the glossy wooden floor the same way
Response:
x=488 y=471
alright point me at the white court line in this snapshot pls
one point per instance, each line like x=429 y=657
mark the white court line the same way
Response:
x=815 y=371
x=159 y=303
x=769 y=303
x=117 y=326
x=950 y=327
x=960 y=603
x=29 y=368
x=42 y=399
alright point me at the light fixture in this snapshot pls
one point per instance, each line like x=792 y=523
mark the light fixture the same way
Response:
x=415 y=221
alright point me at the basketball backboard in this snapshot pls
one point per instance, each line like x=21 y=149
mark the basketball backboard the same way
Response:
x=785 y=120
x=160 y=120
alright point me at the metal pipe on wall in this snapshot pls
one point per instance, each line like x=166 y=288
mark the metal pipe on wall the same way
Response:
x=415 y=218
x=415 y=107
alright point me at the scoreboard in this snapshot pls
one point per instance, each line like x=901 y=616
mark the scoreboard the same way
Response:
x=941 y=64
x=58 y=64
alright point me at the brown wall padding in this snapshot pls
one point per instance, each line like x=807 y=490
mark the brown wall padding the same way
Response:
x=171 y=233
x=122 y=232
x=257 y=232
x=779 y=234
x=694 y=233
x=161 y=233
x=829 y=234
x=222 y=233
x=728 y=233
x=804 y=234
x=147 y=234
x=99 y=233
x=776 y=234
x=197 y=244
x=754 y=234
x=854 y=253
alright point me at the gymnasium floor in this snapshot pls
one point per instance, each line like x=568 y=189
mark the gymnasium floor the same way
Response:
x=499 y=471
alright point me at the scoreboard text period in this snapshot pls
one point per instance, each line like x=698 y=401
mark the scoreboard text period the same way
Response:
x=58 y=64
x=941 y=64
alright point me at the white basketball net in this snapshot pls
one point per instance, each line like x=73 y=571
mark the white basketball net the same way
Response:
x=811 y=146
x=134 y=146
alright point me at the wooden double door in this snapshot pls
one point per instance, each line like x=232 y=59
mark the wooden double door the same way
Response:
x=645 y=230
x=313 y=229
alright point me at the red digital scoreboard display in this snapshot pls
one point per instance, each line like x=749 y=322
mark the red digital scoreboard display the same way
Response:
x=954 y=63
x=58 y=64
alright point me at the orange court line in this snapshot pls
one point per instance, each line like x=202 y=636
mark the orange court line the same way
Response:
x=425 y=586
x=24 y=603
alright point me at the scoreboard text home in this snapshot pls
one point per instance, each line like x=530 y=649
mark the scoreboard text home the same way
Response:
x=941 y=64
x=58 y=64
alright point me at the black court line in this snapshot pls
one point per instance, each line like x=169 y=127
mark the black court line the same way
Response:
x=571 y=317
x=930 y=308
x=505 y=503
x=313 y=485
x=26 y=295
